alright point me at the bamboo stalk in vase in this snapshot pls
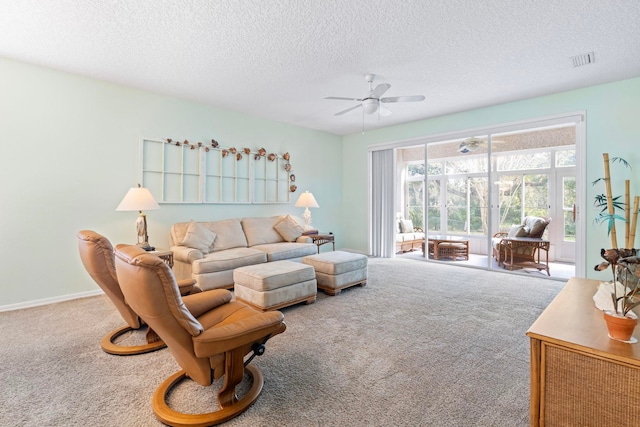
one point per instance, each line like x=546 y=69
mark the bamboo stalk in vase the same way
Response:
x=627 y=214
x=634 y=222
x=610 y=208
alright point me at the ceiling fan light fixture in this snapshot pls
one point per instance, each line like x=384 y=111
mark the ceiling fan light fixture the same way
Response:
x=373 y=101
x=468 y=146
x=370 y=106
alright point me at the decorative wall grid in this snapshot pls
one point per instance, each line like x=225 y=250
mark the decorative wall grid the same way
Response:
x=184 y=172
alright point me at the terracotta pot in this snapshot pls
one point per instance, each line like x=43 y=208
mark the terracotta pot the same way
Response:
x=620 y=328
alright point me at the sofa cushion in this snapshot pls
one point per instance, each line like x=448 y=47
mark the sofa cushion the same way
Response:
x=289 y=229
x=285 y=250
x=228 y=260
x=260 y=231
x=198 y=237
x=229 y=234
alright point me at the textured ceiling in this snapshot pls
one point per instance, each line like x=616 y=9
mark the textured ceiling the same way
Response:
x=278 y=59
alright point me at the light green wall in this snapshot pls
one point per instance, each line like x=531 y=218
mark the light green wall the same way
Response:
x=612 y=125
x=70 y=152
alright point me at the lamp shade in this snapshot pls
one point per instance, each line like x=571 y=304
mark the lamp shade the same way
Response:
x=306 y=200
x=138 y=199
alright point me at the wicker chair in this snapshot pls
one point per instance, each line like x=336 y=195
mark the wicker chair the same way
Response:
x=515 y=244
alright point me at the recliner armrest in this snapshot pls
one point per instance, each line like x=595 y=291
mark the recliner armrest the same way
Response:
x=202 y=302
x=219 y=339
x=187 y=286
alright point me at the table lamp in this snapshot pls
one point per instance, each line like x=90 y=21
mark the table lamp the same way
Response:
x=139 y=199
x=306 y=201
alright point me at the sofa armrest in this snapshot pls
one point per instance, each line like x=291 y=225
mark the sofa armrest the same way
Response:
x=304 y=239
x=186 y=254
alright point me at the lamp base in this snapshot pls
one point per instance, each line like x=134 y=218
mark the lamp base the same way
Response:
x=146 y=246
x=306 y=215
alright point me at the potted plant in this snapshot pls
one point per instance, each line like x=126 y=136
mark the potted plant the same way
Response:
x=624 y=288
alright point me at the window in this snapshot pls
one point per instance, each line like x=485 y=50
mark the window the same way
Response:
x=514 y=162
x=433 y=205
x=471 y=193
x=565 y=158
x=415 y=192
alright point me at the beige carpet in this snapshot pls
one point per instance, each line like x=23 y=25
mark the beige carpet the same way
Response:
x=421 y=345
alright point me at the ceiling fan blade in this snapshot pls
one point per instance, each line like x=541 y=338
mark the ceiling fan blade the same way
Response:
x=340 y=98
x=347 y=110
x=384 y=111
x=379 y=90
x=412 y=98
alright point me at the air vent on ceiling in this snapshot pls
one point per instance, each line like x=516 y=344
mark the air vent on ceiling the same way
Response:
x=584 y=59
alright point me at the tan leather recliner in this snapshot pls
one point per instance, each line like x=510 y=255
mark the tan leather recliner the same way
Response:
x=208 y=334
x=96 y=253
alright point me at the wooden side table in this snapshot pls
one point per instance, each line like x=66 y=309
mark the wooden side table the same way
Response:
x=321 y=239
x=165 y=255
x=187 y=286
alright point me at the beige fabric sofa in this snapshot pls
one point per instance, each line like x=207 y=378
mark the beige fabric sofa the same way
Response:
x=236 y=243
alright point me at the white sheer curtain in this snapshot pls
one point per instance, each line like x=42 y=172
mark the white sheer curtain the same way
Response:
x=381 y=208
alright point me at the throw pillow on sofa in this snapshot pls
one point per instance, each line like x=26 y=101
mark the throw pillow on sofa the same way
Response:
x=198 y=237
x=289 y=229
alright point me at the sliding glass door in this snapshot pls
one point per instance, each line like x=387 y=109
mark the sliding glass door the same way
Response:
x=475 y=186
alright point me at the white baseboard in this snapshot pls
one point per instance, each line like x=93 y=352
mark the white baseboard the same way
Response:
x=46 y=301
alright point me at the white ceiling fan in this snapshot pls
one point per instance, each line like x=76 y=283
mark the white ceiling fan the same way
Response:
x=472 y=144
x=372 y=101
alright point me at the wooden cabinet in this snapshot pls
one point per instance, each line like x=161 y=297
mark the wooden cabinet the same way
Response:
x=579 y=376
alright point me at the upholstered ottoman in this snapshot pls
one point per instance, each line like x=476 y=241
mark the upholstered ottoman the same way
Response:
x=274 y=285
x=338 y=270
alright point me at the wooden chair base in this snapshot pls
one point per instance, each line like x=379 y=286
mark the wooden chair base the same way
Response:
x=153 y=343
x=178 y=419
